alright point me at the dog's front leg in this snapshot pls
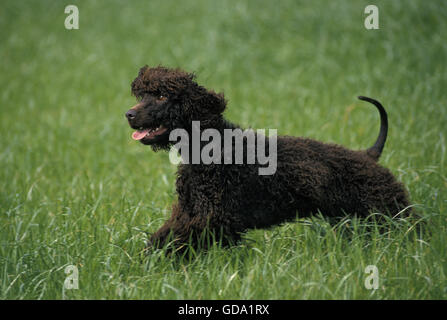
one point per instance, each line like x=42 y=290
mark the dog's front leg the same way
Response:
x=174 y=232
x=181 y=229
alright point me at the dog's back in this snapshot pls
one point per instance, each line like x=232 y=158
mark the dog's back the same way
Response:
x=337 y=180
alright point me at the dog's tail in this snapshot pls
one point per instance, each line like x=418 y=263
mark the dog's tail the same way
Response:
x=376 y=150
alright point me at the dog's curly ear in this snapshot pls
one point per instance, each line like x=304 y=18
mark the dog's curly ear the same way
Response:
x=208 y=102
x=216 y=102
x=201 y=101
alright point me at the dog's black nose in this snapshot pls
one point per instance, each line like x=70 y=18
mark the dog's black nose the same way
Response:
x=131 y=114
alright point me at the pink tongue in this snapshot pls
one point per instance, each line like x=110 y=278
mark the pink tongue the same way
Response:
x=138 y=135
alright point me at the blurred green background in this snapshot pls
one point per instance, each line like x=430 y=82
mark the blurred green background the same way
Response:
x=75 y=189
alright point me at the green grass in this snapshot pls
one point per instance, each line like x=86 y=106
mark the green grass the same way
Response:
x=76 y=190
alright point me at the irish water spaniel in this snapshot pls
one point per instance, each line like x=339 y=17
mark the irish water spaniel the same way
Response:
x=226 y=198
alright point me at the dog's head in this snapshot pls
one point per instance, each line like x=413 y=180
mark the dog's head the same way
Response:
x=170 y=99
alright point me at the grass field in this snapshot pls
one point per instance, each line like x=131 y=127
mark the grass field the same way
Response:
x=76 y=190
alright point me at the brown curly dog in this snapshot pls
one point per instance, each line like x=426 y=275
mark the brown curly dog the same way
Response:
x=225 y=200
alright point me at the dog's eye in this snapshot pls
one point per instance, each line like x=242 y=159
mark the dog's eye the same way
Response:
x=162 y=98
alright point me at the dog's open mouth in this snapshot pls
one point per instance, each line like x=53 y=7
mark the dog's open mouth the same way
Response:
x=148 y=133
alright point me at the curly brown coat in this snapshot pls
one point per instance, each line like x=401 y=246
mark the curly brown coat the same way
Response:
x=225 y=200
